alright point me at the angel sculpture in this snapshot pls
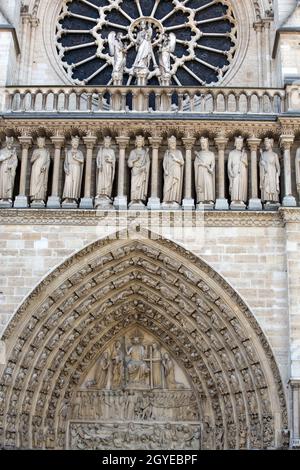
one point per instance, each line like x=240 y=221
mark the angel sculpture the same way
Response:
x=167 y=47
x=118 y=50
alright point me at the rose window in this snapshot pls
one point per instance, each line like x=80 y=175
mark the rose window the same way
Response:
x=202 y=35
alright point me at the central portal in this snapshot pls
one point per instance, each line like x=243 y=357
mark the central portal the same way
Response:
x=136 y=396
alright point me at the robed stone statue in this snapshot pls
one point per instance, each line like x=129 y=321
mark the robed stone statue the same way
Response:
x=39 y=172
x=173 y=173
x=106 y=164
x=139 y=162
x=269 y=173
x=238 y=173
x=205 y=163
x=8 y=166
x=73 y=167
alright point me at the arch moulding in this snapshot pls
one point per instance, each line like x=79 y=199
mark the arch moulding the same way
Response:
x=152 y=286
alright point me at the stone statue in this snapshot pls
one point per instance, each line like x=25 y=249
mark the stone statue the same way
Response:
x=73 y=167
x=39 y=173
x=167 y=47
x=238 y=173
x=173 y=173
x=102 y=372
x=169 y=372
x=156 y=366
x=8 y=166
x=269 y=173
x=106 y=164
x=117 y=358
x=205 y=163
x=297 y=163
x=137 y=368
x=118 y=50
x=139 y=162
x=144 y=49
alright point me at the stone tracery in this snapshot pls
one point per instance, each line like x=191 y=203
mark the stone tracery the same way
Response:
x=200 y=52
x=119 y=285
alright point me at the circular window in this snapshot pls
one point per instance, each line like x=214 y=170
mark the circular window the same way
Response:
x=202 y=34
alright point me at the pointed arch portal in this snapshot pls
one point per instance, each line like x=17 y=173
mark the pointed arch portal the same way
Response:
x=138 y=342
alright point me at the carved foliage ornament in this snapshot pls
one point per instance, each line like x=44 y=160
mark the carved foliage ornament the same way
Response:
x=194 y=42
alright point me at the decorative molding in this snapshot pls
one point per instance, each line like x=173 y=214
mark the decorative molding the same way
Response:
x=290 y=215
x=99 y=217
x=67 y=126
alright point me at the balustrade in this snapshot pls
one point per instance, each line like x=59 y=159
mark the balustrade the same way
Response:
x=135 y=99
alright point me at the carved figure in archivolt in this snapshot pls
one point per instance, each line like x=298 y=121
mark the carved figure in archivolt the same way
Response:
x=139 y=162
x=39 y=172
x=238 y=172
x=205 y=163
x=269 y=173
x=8 y=166
x=73 y=167
x=106 y=163
x=173 y=173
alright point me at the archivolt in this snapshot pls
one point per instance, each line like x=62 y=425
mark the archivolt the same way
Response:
x=67 y=322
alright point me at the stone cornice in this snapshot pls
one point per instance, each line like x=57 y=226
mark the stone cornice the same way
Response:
x=245 y=125
x=290 y=214
x=161 y=218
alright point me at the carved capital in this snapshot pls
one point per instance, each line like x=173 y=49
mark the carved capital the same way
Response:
x=286 y=141
x=58 y=141
x=25 y=141
x=258 y=26
x=221 y=142
x=253 y=143
x=188 y=142
x=155 y=141
x=90 y=141
x=122 y=141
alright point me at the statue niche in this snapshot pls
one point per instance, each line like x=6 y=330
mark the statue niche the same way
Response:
x=134 y=397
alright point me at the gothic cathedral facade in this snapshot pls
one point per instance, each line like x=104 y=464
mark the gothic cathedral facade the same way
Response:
x=149 y=224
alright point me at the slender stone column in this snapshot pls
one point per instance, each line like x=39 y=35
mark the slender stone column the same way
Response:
x=21 y=201
x=221 y=202
x=54 y=201
x=87 y=201
x=295 y=392
x=188 y=202
x=268 y=53
x=255 y=203
x=120 y=201
x=286 y=142
x=154 y=201
x=258 y=28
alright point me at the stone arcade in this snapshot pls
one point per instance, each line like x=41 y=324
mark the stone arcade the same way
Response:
x=150 y=224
